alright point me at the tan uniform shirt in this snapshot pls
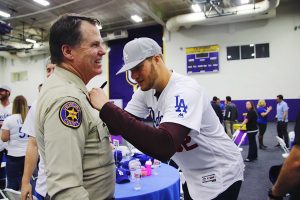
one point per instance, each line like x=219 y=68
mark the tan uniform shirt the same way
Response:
x=73 y=141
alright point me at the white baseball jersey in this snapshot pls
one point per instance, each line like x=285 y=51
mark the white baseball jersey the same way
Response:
x=4 y=112
x=28 y=128
x=17 y=144
x=208 y=158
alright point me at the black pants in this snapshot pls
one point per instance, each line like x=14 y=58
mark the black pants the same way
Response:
x=252 y=153
x=2 y=171
x=282 y=132
x=262 y=129
x=230 y=193
x=14 y=171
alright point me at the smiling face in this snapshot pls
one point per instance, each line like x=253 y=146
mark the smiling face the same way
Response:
x=145 y=74
x=88 y=53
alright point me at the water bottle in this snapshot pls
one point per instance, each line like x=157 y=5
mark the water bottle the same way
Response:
x=156 y=164
x=135 y=171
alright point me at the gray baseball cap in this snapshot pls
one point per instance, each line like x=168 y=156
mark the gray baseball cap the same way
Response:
x=138 y=50
x=5 y=87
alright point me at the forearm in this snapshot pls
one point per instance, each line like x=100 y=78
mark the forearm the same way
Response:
x=244 y=122
x=289 y=177
x=31 y=159
x=160 y=143
x=284 y=116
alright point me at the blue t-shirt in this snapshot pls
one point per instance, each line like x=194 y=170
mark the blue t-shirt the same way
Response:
x=281 y=108
x=261 y=119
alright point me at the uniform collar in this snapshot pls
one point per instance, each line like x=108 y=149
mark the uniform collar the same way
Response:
x=71 y=78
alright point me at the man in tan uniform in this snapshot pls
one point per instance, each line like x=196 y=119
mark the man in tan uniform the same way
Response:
x=73 y=141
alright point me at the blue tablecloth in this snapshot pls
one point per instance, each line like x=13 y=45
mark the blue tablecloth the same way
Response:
x=163 y=186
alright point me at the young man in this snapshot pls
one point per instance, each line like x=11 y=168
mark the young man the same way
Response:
x=32 y=154
x=5 y=111
x=217 y=108
x=188 y=130
x=72 y=140
x=282 y=119
x=231 y=115
x=5 y=105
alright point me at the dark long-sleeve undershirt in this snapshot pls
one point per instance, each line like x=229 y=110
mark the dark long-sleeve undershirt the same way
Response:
x=160 y=143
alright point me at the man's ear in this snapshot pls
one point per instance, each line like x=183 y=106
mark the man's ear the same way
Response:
x=67 y=51
x=157 y=59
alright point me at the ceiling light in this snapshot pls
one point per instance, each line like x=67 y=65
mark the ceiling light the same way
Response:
x=244 y=1
x=30 y=40
x=196 y=8
x=4 y=14
x=42 y=2
x=136 y=18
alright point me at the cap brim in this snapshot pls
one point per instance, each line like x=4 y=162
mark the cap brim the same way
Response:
x=129 y=66
x=122 y=179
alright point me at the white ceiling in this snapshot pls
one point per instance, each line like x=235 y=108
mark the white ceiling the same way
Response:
x=31 y=20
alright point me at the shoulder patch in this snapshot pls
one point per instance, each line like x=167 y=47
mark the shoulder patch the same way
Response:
x=70 y=114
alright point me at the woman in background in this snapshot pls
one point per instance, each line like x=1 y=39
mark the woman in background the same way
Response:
x=262 y=112
x=16 y=142
x=251 y=125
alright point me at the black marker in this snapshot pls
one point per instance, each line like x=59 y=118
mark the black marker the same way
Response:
x=103 y=85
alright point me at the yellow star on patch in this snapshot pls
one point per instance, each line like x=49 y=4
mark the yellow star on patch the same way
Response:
x=72 y=114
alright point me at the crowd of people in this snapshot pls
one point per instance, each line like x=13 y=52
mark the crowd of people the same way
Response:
x=68 y=127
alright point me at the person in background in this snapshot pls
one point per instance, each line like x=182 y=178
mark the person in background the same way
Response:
x=262 y=121
x=217 y=108
x=288 y=180
x=32 y=154
x=251 y=125
x=221 y=106
x=5 y=111
x=185 y=129
x=230 y=116
x=73 y=141
x=16 y=142
x=282 y=119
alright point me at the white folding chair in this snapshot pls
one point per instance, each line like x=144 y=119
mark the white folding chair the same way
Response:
x=235 y=134
x=242 y=140
x=283 y=146
x=13 y=194
x=291 y=137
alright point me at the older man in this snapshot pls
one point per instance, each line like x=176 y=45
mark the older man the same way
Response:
x=72 y=140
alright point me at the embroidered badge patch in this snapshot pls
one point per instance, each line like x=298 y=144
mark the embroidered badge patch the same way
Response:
x=70 y=114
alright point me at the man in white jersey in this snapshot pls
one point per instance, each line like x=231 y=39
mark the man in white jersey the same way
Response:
x=5 y=105
x=186 y=127
x=31 y=157
x=5 y=111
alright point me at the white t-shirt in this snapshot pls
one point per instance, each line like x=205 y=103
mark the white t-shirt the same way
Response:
x=28 y=128
x=208 y=158
x=17 y=144
x=4 y=112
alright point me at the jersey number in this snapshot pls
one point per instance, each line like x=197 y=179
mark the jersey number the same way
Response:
x=21 y=134
x=186 y=145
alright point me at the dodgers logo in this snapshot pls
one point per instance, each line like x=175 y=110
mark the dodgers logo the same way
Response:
x=156 y=119
x=180 y=106
x=70 y=114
